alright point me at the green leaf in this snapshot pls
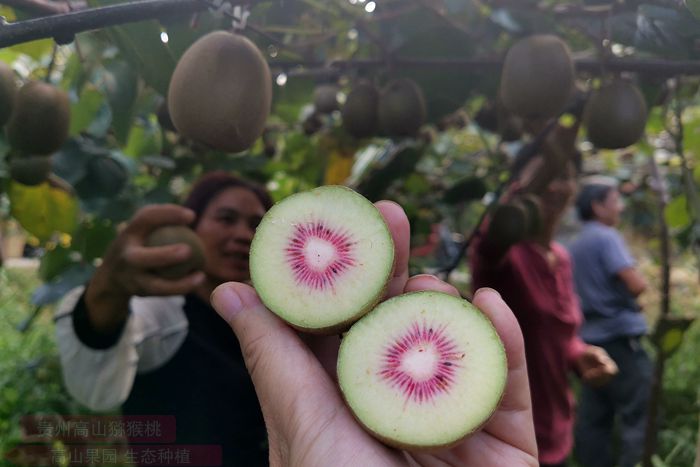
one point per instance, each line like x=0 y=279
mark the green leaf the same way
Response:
x=121 y=87
x=399 y=161
x=84 y=111
x=288 y=100
x=54 y=262
x=35 y=49
x=144 y=140
x=93 y=238
x=43 y=209
x=676 y=213
x=140 y=44
x=75 y=275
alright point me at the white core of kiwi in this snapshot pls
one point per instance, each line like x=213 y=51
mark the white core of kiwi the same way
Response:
x=343 y=252
x=415 y=339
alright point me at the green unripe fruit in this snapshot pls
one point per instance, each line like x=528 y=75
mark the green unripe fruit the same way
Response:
x=41 y=119
x=30 y=170
x=8 y=92
x=615 y=115
x=171 y=235
x=402 y=108
x=221 y=91
x=537 y=77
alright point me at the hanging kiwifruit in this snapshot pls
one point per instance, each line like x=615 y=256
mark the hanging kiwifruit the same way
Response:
x=326 y=98
x=402 y=108
x=41 y=118
x=221 y=91
x=8 y=92
x=615 y=115
x=360 y=110
x=30 y=170
x=537 y=77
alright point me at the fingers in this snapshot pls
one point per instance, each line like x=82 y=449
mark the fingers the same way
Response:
x=428 y=282
x=151 y=217
x=281 y=366
x=400 y=230
x=157 y=256
x=515 y=409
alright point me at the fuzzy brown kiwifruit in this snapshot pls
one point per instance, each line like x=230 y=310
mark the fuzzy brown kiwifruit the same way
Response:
x=30 y=170
x=221 y=91
x=41 y=118
x=326 y=98
x=537 y=77
x=170 y=235
x=360 y=110
x=615 y=115
x=402 y=108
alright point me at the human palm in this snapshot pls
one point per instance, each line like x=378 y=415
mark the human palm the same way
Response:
x=307 y=421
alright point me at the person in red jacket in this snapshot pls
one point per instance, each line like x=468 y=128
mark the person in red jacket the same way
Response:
x=534 y=277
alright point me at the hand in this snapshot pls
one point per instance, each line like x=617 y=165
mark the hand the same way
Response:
x=126 y=269
x=596 y=367
x=307 y=421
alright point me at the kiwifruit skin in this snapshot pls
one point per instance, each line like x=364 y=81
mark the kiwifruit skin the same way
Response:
x=402 y=108
x=326 y=98
x=170 y=235
x=221 y=91
x=41 y=118
x=615 y=115
x=30 y=170
x=537 y=77
x=360 y=110
x=8 y=92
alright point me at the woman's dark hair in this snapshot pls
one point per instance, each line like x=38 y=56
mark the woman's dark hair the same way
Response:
x=213 y=183
x=591 y=193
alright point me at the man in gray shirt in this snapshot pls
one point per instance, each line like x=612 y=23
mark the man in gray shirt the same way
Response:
x=608 y=284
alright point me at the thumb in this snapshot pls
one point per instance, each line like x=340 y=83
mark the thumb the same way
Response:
x=281 y=366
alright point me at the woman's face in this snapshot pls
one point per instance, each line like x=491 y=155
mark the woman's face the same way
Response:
x=226 y=229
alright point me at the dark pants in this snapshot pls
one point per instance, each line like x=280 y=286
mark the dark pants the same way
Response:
x=626 y=398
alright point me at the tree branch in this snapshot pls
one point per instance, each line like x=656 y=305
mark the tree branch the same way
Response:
x=65 y=25
x=43 y=7
x=588 y=65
